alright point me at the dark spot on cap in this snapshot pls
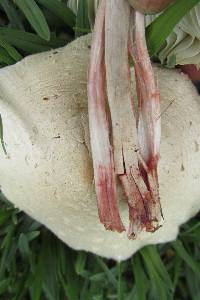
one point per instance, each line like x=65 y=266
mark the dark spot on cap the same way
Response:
x=45 y=98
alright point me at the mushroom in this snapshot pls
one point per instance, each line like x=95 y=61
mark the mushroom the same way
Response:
x=150 y=6
x=47 y=171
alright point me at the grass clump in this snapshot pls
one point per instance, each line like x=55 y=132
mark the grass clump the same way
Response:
x=35 y=264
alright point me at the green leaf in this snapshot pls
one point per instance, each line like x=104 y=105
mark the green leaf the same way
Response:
x=10 y=50
x=29 y=42
x=177 y=271
x=70 y=292
x=140 y=278
x=6 y=246
x=107 y=271
x=159 y=30
x=4 y=284
x=36 y=288
x=5 y=57
x=120 y=293
x=193 y=285
x=161 y=283
x=32 y=235
x=80 y=263
x=61 y=10
x=23 y=245
x=82 y=21
x=12 y=14
x=97 y=277
x=158 y=264
x=4 y=215
x=191 y=229
x=182 y=252
x=50 y=263
x=1 y=136
x=91 y=12
x=21 y=287
x=35 y=17
x=14 y=218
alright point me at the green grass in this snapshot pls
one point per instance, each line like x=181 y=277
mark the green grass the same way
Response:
x=34 y=264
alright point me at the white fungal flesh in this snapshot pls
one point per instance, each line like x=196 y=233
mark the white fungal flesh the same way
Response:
x=48 y=170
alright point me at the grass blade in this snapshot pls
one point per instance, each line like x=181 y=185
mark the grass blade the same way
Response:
x=4 y=215
x=159 y=277
x=23 y=246
x=4 y=284
x=29 y=42
x=35 y=17
x=140 y=278
x=82 y=21
x=91 y=12
x=120 y=295
x=61 y=10
x=51 y=284
x=159 y=30
x=80 y=263
x=68 y=278
x=10 y=50
x=159 y=266
x=107 y=271
x=182 y=252
x=12 y=14
x=5 y=57
x=36 y=288
x=32 y=235
x=6 y=247
x=177 y=271
x=21 y=287
x=193 y=285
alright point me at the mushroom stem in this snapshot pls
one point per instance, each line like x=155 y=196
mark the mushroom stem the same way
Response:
x=135 y=142
x=102 y=151
x=149 y=121
x=124 y=129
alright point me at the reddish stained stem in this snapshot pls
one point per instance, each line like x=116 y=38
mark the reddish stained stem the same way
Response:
x=102 y=153
x=121 y=107
x=124 y=129
x=137 y=214
x=149 y=123
x=135 y=142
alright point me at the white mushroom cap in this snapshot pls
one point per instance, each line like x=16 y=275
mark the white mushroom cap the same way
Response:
x=48 y=171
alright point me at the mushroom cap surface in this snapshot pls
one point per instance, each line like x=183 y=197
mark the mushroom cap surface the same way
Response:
x=48 y=169
x=150 y=6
